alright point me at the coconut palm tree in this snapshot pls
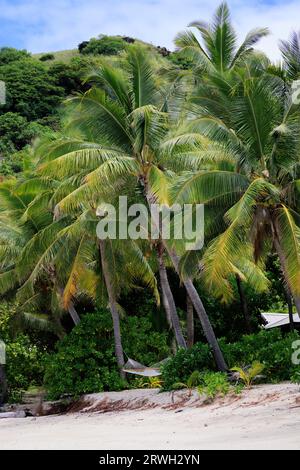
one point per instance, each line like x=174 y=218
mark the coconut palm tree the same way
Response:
x=219 y=50
x=26 y=226
x=58 y=261
x=259 y=127
x=126 y=138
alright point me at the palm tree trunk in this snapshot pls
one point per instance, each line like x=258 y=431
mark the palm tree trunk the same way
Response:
x=289 y=300
x=71 y=309
x=244 y=304
x=203 y=317
x=168 y=299
x=169 y=321
x=113 y=309
x=189 y=322
x=73 y=314
x=166 y=307
x=3 y=384
x=281 y=257
x=194 y=296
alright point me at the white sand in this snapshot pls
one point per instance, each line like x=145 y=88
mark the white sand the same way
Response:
x=266 y=417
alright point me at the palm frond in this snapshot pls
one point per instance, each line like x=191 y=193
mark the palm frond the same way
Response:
x=142 y=77
x=289 y=239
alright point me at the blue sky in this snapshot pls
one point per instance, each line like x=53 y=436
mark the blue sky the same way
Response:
x=42 y=26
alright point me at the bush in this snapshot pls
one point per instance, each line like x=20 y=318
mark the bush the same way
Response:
x=213 y=384
x=9 y=54
x=24 y=360
x=71 y=76
x=24 y=364
x=271 y=348
x=104 y=45
x=46 y=57
x=180 y=60
x=30 y=89
x=142 y=343
x=85 y=360
x=16 y=132
x=180 y=367
x=193 y=381
x=296 y=377
x=82 y=46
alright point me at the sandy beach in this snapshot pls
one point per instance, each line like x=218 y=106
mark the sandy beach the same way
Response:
x=266 y=417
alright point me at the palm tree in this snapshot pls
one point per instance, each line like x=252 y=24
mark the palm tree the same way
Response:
x=57 y=262
x=218 y=50
x=99 y=270
x=125 y=139
x=113 y=307
x=259 y=128
x=27 y=228
x=168 y=299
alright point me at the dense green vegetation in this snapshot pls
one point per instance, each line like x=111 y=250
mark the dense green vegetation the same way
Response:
x=24 y=353
x=270 y=348
x=105 y=45
x=87 y=354
x=212 y=123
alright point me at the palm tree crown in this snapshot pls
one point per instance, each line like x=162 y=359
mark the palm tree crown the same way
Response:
x=219 y=50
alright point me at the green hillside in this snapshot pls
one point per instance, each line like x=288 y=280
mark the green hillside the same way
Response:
x=60 y=56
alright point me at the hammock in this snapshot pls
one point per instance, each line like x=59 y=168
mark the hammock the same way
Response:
x=134 y=367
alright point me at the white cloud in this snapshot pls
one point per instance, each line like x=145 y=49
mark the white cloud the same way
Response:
x=62 y=24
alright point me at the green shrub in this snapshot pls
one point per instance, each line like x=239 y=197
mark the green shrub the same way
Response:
x=271 y=348
x=9 y=54
x=104 y=45
x=85 y=360
x=295 y=378
x=192 y=382
x=46 y=57
x=141 y=342
x=213 y=384
x=180 y=60
x=24 y=360
x=146 y=382
x=31 y=90
x=180 y=367
x=24 y=364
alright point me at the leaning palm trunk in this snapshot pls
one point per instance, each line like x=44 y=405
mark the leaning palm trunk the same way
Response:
x=113 y=309
x=71 y=309
x=168 y=299
x=194 y=296
x=73 y=314
x=203 y=317
x=189 y=322
x=244 y=304
x=281 y=257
